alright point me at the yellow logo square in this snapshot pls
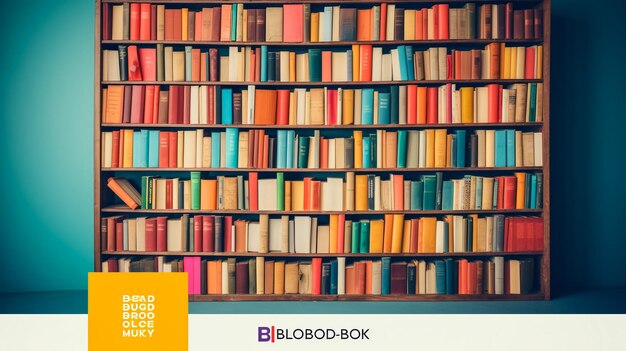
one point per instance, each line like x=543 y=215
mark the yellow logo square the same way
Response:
x=138 y=311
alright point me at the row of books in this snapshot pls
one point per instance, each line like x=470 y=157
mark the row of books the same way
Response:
x=339 y=276
x=232 y=148
x=360 y=63
x=360 y=192
x=300 y=23
x=395 y=104
x=393 y=233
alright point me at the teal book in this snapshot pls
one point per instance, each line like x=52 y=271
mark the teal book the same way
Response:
x=527 y=190
x=153 y=148
x=394 y=110
x=334 y=265
x=356 y=233
x=215 y=149
x=233 y=23
x=510 y=148
x=364 y=238
x=451 y=282
x=453 y=150
x=532 y=105
x=385 y=276
x=460 y=148
x=291 y=137
x=479 y=193
x=366 y=152
x=188 y=64
x=327 y=31
x=494 y=203
x=280 y=191
x=384 y=111
x=303 y=152
x=402 y=59
x=417 y=194
x=195 y=190
x=401 y=152
x=227 y=106
x=281 y=148
x=263 y=63
x=430 y=188
x=533 y=191
x=440 y=277
x=438 y=189
x=410 y=70
x=448 y=195
x=140 y=149
x=315 y=65
x=367 y=106
x=232 y=147
x=500 y=148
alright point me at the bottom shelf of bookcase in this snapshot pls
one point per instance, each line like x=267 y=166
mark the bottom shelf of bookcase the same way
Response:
x=310 y=297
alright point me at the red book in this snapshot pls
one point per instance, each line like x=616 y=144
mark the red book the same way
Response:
x=538 y=245
x=411 y=109
x=112 y=262
x=323 y=153
x=228 y=233
x=415 y=224
x=178 y=24
x=359 y=278
x=529 y=69
x=155 y=104
x=213 y=60
x=197 y=234
x=493 y=94
x=500 y=202
x=316 y=189
x=510 y=186
x=473 y=276
x=341 y=226
x=508 y=24
x=431 y=106
x=507 y=234
x=148 y=109
x=186 y=104
x=282 y=107
x=398 y=192
x=135 y=11
x=106 y=22
x=436 y=20
x=316 y=275
x=529 y=24
x=425 y=24
x=449 y=67
x=365 y=52
x=137 y=104
x=134 y=68
x=161 y=234
x=419 y=33
x=153 y=21
x=327 y=62
x=173 y=150
x=331 y=107
x=251 y=153
x=119 y=236
x=169 y=192
x=520 y=234
x=529 y=238
x=383 y=21
x=144 y=21
x=253 y=187
x=169 y=24
x=211 y=104
x=172 y=113
x=151 y=235
x=164 y=149
x=257 y=65
x=260 y=148
x=293 y=23
x=255 y=148
x=266 y=143
x=307 y=193
x=441 y=15
x=115 y=157
x=208 y=234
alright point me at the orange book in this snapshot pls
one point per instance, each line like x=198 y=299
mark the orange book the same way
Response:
x=421 y=105
x=323 y=152
x=214 y=277
x=225 y=23
x=398 y=230
x=440 y=147
x=419 y=33
x=292 y=66
x=356 y=62
x=429 y=234
x=494 y=60
x=293 y=21
x=366 y=63
x=316 y=191
x=420 y=236
x=208 y=194
x=114 y=104
x=415 y=227
x=327 y=63
x=368 y=276
x=411 y=105
x=521 y=190
x=265 y=107
x=333 y=231
x=388 y=234
x=359 y=278
x=391 y=149
x=195 y=65
x=363 y=25
x=463 y=277
x=360 y=193
x=377 y=236
x=406 y=236
x=128 y=148
x=240 y=236
x=203 y=66
x=125 y=191
x=358 y=149
x=282 y=107
x=307 y=193
x=398 y=192
x=430 y=148
x=350 y=280
x=197 y=31
x=184 y=26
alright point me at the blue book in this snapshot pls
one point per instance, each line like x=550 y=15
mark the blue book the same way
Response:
x=479 y=192
x=367 y=106
x=408 y=50
x=494 y=203
x=215 y=149
x=281 y=149
x=233 y=23
x=451 y=283
x=153 y=148
x=401 y=152
x=417 y=194
x=430 y=188
x=510 y=148
x=448 y=195
x=356 y=236
x=500 y=148
x=460 y=148
x=140 y=148
x=385 y=276
x=440 y=277
x=227 y=106
x=402 y=59
x=366 y=152
x=333 y=276
x=188 y=63
x=533 y=191
x=384 y=110
x=291 y=136
x=232 y=147
x=264 y=63
x=327 y=31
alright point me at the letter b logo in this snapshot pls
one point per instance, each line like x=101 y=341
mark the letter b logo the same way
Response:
x=264 y=334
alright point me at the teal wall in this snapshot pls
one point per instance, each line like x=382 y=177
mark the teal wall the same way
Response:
x=46 y=174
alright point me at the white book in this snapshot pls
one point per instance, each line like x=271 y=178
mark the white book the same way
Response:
x=391 y=16
x=377 y=196
x=439 y=239
x=332 y=190
x=323 y=239
x=275 y=234
x=225 y=278
x=331 y=153
x=199 y=146
x=386 y=74
x=107 y=147
x=538 y=149
x=284 y=66
x=194 y=108
x=267 y=194
x=422 y=149
x=339 y=64
x=300 y=105
x=395 y=65
x=357 y=106
x=189 y=152
x=233 y=64
x=459 y=242
x=499 y=275
x=302 y=230
x=250 y=112
x=377 y=61
x=204 y=106
x=253 y=240
x=341 y=275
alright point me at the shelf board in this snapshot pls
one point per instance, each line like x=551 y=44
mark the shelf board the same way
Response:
x=328 y=84
x=330 y=255
x=345 y=126
x=126 y=209
x=321 y=2
x=197 y=43
x=325 y=170
x=391 y=298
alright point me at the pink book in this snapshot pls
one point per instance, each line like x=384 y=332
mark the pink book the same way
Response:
x=192 y=267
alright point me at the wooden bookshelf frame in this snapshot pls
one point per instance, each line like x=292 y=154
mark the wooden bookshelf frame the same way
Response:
x=101 y=207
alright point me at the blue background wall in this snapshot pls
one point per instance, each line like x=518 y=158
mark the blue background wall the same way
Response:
x=46 y=143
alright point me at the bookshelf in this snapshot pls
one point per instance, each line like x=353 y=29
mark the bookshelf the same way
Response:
x=107 y=204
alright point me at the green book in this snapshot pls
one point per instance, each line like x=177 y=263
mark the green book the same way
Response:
x=280 y=191
x=233 y=30
x=252 y=276
x=365 y=237
x=394 y=111
x=479 y=193
x=145 y=182
x=448 y=195
x=401 y=153
x=430 y=188
x=417 y=194
x=195 y=190
x=303 y=152
x=315 y=65
x=356 y=232
x=532 y=105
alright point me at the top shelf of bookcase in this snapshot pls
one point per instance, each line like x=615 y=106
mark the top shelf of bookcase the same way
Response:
x=320 y=2
x=327 y=43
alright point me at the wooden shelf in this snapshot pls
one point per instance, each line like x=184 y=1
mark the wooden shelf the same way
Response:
x=328 y=255
x=390 y=298
x=331 y=84
x=345 y=126
x=321 y=2
x=126 y=209
x=325 y=170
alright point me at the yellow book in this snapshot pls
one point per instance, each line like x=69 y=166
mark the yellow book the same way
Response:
x=376 y=236
x=506 y=73
x=429 y=233
x=388 y=233
x=279 y=277
x=440 y=147
x=332 y=233
x=513 y=64
x=185 y=25
x=360 y=194
x=521 y=190
x=244 y=32
x=292 y=66
x=409 y=24
x=430 y=148
x=396 y=241
x=356 y=63
x=358 y=149
x=502 y=48
x=287 y=195
x=315 y=22
x=297 y=195
x=128 y=148
x=292 y=108
x=406 y=237
x=539 y=63
x=467 y=105
x=348 y=106
x=474 y=232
